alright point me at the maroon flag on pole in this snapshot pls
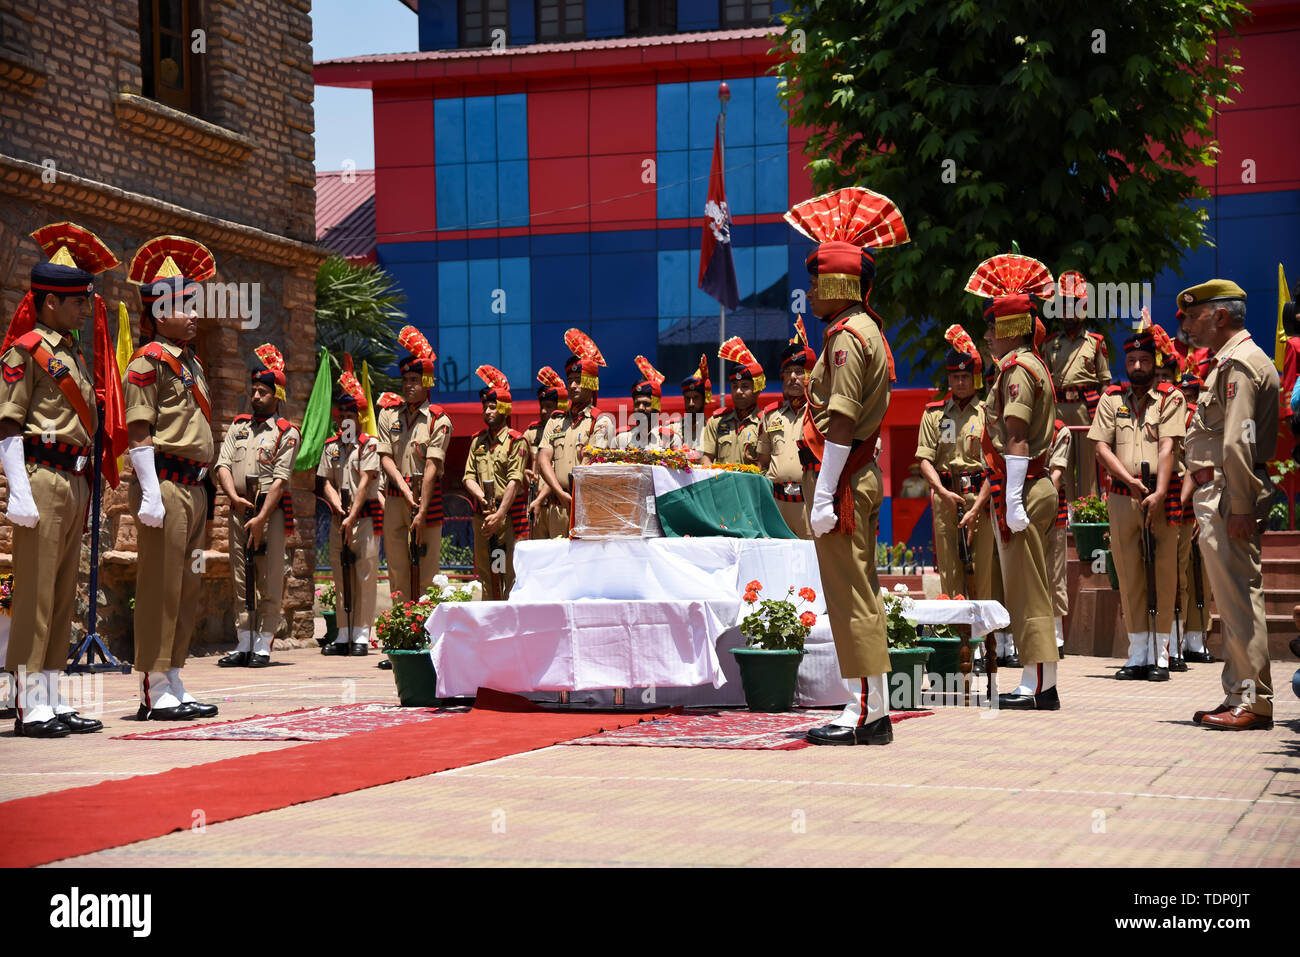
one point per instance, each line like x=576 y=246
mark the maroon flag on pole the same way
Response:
x=717 y=269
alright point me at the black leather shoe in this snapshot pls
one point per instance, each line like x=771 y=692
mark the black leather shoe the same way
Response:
x=8 y=713
x=79 y=725
x=181 y=712
x=1002 y=661
x=1048 y=700
x=360 y=649
x=54 y=728
x=1295 y=646
x=1200 y=657
x=1156 y=673
x=205 y=710
x=336 y=648
x=1177 y=664
x=1013 y=661
x=1132 y=673
x=880 y=731
x=236 y=659
x=386 y=664
x=1060 y=652
x=258 y=661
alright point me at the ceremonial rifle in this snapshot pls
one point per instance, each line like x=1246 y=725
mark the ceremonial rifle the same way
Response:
x=347 y=563
x=968 y=569
x=1149 y=558
x=494 y=541
x=258 y=498
x=1198 y=587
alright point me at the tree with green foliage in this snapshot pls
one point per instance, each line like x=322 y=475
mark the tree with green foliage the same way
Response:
x=1073 y=129
x=359 y=310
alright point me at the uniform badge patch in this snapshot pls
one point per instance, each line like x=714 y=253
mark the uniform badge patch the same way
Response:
x=57 y=369
x=242 y=433
x=142 y=378
x=1231 y=390
x=841 y=356
x=1013 y=390
x=15 y=373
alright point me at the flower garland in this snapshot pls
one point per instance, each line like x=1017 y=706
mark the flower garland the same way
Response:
x=736 y=467
x=679 y=459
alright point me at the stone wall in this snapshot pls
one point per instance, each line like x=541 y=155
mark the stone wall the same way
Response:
x=78 y=141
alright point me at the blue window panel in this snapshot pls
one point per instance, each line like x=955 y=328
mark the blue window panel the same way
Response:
x=771 y=180
x=769 y=115
x=481 y=189
x=675 y=279
x=418 y=283
x=452 y=249
x=513 y=246
x=739 y=180
x=740 y=111
x=480 y=129
x=625 y=240
x=400 y=252
x=484 y=347
x=561 y=287
x=703 y=107
x=484 y=280
x=701 y=163
x=702 y=304
x=772 y=234
x=514 y=280
x=623 y=285
x=770 y=266
x=798 y=252
x=453 y=294
x=743 y=257
x=697 y=15
x=483 y=248
x=453 y=358
x=450 y=180
x=677 y=238
x=604 y=20
x=517 y=357
x=621 y=341
x=741 y=323
x=512 y=192
x=674 y=192
x=512 y=127
x=449 y=131
x=522 y=24
x=885 y=531
x=556 y=244
x=439 y=25
x=548 y=348
x=670 y=117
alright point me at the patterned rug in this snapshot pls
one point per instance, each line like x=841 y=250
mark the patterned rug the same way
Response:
x=736 y=730
x=313 y=724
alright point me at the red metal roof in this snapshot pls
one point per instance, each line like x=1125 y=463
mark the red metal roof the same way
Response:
x=721 y=45
x=345 y=213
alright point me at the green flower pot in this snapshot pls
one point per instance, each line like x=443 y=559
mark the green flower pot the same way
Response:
x=417 y=681
x=945 y=658
x=1088 y=537
x=907 y=667
x=331 y=628
x=1110 y=571
x=768 y=677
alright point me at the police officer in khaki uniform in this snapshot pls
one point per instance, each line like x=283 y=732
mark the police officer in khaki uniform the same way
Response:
x=552 y=400
x=168 y=416
x=848 y=394
x=1018 y=431
x=697 y=396
x=494 y=478
x=947 y=449
x=581 y=426
x=783 y=425
x=1142 y=424
x=1057 y=465
x=254 y=469
x=1081 y=371
x=48 y=420
x=1232 y=437
x=735 y=436
x=349 y=477
x=1192 y=580
x=404 y=440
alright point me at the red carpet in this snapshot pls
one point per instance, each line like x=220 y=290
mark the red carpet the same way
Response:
x=76 y=821
x=729 y=730
x=308 y=724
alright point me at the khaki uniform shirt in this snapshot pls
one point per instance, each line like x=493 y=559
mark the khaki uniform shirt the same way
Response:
x=258 y=449
x=1022 y=395
x=949 y=436
x=1133 y=425
x=664 y=435
x=1235 y=425
x=31 y=397
x=690 y=430
x=155 y=394
x=405 y=436
x=1061 y=446
x=498 y=459
x=568 y=433
x=851 y=377
x=1077 y=362
x=439 y=438
x=726 y=436
x=343 y=464
x=784 y=427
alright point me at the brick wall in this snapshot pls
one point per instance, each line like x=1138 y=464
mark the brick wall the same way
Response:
x=238 y=177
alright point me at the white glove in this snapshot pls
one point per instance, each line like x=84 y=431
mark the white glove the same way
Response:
x=152 y=511
x=823 y=517
x=22 y=507
x=1017 y=517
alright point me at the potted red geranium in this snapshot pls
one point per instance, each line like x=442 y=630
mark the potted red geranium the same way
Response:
x=403 y=637
x=774 y=635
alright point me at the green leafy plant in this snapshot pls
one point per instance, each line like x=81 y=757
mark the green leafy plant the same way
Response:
x=776 y=625
x=358 y=310
x=1090 y=511
x=899 y=629
x=325 y=597
x=401 y=628
x=456 y=556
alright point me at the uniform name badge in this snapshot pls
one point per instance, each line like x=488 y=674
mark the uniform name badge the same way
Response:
x=81 y=462
x=791 y=488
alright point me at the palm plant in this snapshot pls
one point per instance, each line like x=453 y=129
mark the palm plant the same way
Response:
x=358 y=310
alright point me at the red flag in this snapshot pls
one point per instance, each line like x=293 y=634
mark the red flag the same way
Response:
x=108 y=393
x=717 y=269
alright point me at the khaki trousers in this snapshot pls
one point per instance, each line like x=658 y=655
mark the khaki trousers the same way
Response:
x=796 y=516
x=1126 y=550
x=1194 y=619
x=270 y=570
x=484 y=560
x=397 y=528
x=365 y=574
x=47 y=564
x=552 y=522
x=947 y=556
x=1234 y=570
x=1024 y=569
x=1083 y=453
x=168 y=573
x=1056 y=558
x=848 y=572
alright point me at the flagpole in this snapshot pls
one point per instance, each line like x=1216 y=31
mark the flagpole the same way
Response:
x=724 y=94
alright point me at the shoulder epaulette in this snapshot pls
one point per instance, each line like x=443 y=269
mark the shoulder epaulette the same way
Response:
x=1101 y=341
x=1058 y=425
x=336 y=437
x=1164 y=388
x=718 y=414
x=533 y=425
x=245 y=417
x=515 y=436
x=151 y=350
x=773 y=407
x=1010 y=362
x=364 y=439
x=29 y=341
x=436 y=411
x=283 y=424
x=1115 y=389
x=937 y=404
x=482 y=431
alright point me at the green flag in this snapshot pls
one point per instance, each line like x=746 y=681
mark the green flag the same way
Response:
x=316 y=420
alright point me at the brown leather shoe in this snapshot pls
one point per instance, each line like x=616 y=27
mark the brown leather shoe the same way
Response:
x=1199 y=716
x=1237 y=719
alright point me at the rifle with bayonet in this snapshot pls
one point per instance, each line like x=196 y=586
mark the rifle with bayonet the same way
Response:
x=490 y=503
x=967 y=558
x=258 y=498
x=1149 y=559
x=347 y=563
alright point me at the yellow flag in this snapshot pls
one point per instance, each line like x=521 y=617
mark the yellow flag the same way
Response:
x=1283 y=297
x=368 y=423
x=124 y=350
